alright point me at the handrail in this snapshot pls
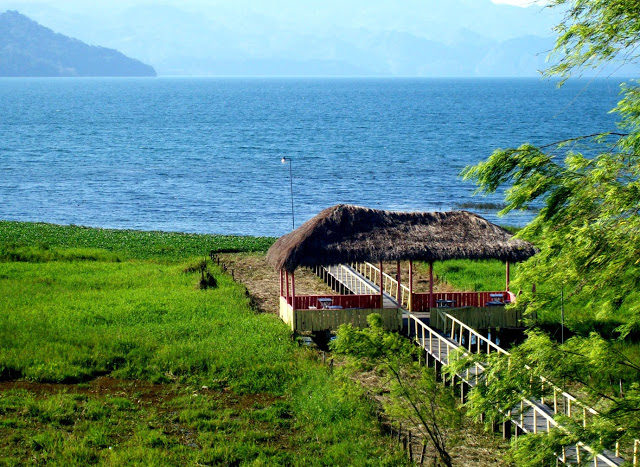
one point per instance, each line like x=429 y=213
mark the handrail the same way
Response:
x=389 y=284
x=350 y=280
x=537 y=409
x=402 y=294
x=449 y=345
x=479 y=337
x=373 y=273
x=552 y=421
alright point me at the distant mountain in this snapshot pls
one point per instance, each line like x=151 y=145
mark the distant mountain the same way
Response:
x=29 y=49
x=461 y=38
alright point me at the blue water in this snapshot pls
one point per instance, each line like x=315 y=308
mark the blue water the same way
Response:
x=203 y=155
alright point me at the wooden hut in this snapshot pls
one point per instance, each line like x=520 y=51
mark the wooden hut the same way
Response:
x=346 y=234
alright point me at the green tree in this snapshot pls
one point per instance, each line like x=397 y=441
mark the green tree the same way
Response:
x=588 y=229
x=414 y=394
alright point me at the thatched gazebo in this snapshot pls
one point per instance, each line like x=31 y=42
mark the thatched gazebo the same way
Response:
x=345 y=234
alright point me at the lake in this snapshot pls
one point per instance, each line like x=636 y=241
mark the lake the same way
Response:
x=204 y=154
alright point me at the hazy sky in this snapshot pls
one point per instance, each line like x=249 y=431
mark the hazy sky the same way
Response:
x=520 y=3
x=254 y=4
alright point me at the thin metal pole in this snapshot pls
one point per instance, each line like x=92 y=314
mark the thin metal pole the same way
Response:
x=293 y=217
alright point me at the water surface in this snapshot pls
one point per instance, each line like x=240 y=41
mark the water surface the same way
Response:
x=203 y=155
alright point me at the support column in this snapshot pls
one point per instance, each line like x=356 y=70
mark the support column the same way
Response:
x=293 y=291
x=399 y=297
x=507 y=274
x=287 y=279
x=506 y=429
x=281 y=282
x=431 y=302
x=410 y=285
x=381 y=286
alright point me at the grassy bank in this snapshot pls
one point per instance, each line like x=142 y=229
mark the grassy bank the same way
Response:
x=111 y=353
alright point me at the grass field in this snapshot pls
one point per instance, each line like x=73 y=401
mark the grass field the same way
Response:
x=110 y=353
x=472 y=276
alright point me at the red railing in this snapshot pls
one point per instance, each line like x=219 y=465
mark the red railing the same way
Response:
x=420 y=300
x=305 y=302
x=476 y=299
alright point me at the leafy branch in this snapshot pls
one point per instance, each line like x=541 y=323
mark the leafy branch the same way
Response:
x=414 y=393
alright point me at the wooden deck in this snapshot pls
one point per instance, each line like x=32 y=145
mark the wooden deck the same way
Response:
x=312 y=320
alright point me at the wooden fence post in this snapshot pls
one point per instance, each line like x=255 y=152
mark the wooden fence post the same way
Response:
x=506 y=429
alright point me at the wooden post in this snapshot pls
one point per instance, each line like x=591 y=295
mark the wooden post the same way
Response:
x=410 y=285
x=399 y=297
x=293 y=291
x=287 y=278
x=506 y=429
x=431 y=302
x=508 y=274
x=281 y=281
x=381 y=287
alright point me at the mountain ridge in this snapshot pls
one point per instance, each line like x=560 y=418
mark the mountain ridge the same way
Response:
x=337 y=38
x=28 y=49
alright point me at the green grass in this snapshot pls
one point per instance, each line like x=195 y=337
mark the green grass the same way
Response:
x=132 y=320
x=80 y=303
x=472 y=276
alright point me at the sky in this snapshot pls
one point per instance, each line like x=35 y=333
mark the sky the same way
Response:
x=520 y=3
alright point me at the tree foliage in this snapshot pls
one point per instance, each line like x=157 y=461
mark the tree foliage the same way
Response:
x=588 y=187
x=588 y=230
x=595 y=32
x=414 y=394
x=593 y=366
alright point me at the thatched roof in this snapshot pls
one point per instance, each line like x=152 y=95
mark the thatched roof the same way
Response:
x=345 y=233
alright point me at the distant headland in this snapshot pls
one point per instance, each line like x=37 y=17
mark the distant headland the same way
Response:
x=28 y=49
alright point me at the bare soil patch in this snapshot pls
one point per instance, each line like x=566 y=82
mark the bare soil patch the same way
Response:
x=143 y=392
x=263 y=283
